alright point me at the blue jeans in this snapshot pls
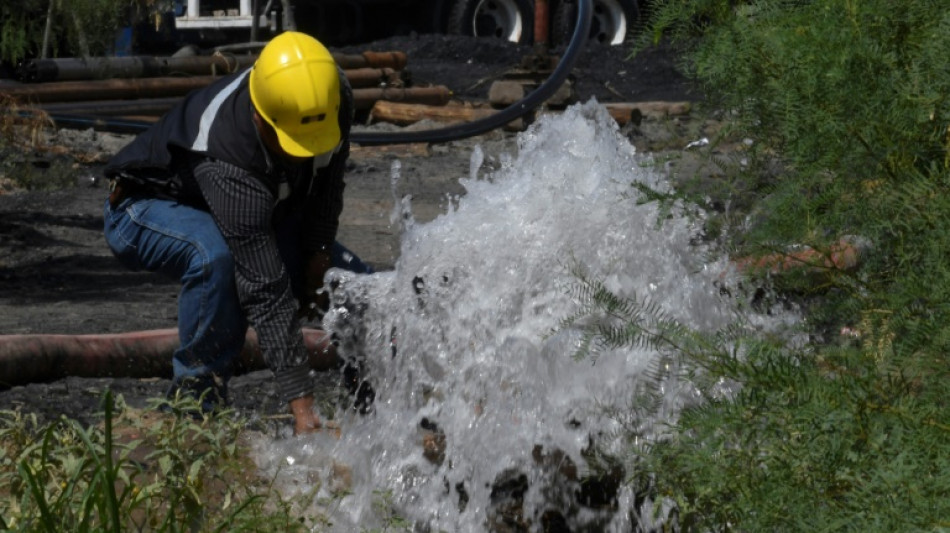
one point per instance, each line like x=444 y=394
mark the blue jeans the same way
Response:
x=184 y=243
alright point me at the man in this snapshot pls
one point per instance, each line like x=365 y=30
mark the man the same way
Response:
x=237 y=192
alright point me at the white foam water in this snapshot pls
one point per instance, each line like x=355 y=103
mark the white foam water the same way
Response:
x=475 y=300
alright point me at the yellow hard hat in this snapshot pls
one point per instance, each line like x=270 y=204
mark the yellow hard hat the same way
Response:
x=295 y=87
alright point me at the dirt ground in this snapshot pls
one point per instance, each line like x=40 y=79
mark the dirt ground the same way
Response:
x=58 y=277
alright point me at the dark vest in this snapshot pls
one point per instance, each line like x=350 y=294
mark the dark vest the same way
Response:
x=215 y=121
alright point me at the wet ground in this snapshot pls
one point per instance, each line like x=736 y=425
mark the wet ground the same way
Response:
x=58 y=277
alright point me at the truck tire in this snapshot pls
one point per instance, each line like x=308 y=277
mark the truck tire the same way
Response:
x=512 y=20
x=612 y=22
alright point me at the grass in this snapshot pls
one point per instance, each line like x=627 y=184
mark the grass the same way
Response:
x=139 y=470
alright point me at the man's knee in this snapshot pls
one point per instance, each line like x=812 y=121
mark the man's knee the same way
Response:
x=221 y=259
x=219 y=263
x=204 y=264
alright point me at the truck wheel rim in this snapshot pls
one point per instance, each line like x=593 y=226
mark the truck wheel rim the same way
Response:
x=498 y=18
x=609 y=22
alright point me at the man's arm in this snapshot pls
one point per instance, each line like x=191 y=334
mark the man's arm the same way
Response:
x=322 y=209
x=323 y=205
x=242 y=207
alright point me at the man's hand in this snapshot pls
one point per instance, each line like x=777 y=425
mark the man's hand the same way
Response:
x=317 y=301
x=306 y=420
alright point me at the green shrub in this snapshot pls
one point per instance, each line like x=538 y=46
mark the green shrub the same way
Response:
x=848 y=105
x=77 y=28
x=855 y=96
x=21 y=29
x=843 y=437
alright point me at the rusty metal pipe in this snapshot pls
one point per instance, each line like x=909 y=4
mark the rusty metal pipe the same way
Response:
x=373 y=77
x=359 y=78
x=98 y=68
x=118 y=89
x=143 y=109
x=82 y=115
x=140 y=354
x=77 y=91
x=113 y=108
x=435 y=95
x=395 y=60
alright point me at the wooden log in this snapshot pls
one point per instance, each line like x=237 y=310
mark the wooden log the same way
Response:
x=843 y=255
x=503 y=93
x=399 y=150
x=404 y=114
x=624 y=116
x=436 y=95
x=624 y=112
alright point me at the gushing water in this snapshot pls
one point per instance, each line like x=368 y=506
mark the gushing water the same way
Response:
x=483 y=403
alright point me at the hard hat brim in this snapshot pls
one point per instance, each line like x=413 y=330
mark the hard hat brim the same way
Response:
x=317 y=141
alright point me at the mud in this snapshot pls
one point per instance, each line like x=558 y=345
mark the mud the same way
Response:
x=58 y=276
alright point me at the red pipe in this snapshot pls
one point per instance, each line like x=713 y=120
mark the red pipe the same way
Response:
x=139 y=354
x=541 y=22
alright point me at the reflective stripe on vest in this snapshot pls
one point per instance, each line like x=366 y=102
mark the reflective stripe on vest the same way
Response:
x=210 y=112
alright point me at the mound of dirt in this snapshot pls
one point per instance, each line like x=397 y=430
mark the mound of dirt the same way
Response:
x=468 y=65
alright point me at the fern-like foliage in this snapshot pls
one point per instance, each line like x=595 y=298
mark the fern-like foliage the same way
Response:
x=611 y=321
x=804 y=438
x=849 y=106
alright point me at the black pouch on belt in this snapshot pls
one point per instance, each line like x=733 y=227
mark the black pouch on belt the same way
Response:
x=151 y=183
x=120 y=189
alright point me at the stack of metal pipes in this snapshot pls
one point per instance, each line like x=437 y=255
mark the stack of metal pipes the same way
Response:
x=144 y=87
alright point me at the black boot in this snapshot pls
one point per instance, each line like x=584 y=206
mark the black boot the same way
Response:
x=210 y=391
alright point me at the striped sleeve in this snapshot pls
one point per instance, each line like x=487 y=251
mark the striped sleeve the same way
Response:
x=242 y=206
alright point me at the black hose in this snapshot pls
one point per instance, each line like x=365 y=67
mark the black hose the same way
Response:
x=78 y=122
x=510 y=113
x=440 y=135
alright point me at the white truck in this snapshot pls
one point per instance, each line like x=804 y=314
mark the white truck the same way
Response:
x=342 y=22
